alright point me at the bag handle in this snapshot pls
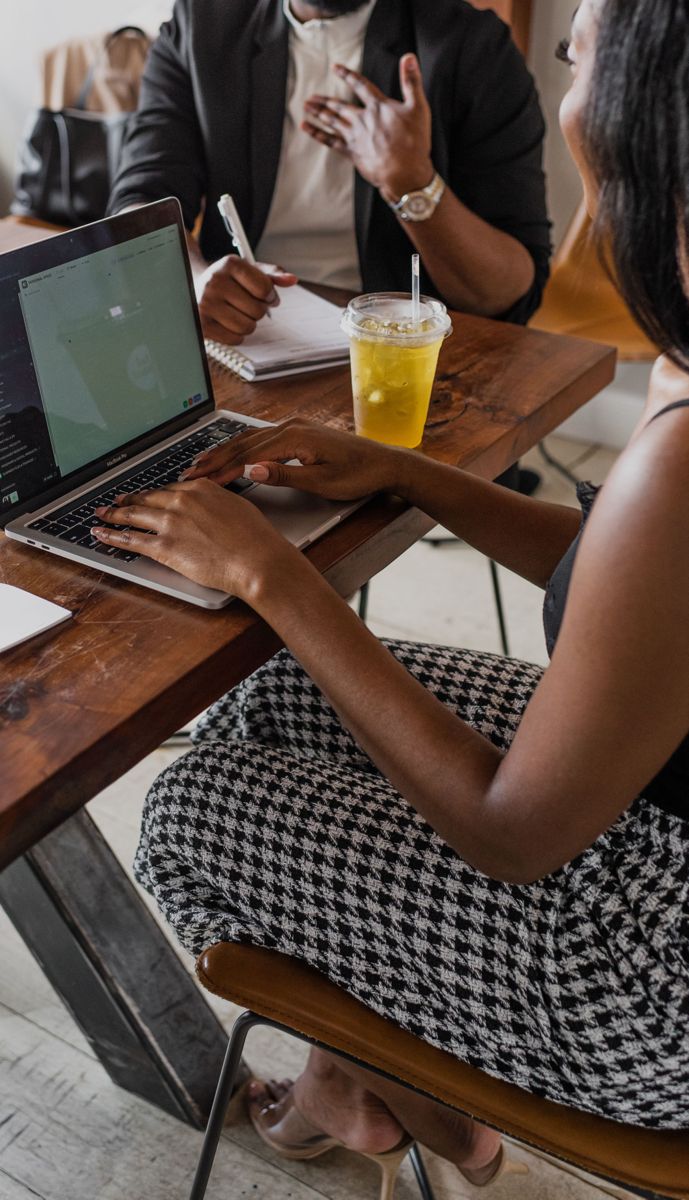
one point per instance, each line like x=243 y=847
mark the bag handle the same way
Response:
x=65 y=159
x=83 y=96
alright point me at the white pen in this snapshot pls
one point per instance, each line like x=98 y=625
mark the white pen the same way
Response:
x=233 y=224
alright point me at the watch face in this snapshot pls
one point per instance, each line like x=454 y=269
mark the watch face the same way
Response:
x=418 y=207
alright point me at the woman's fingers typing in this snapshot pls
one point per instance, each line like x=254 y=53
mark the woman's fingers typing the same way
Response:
x=220 y=539
x=226 y=462
x=141 y=513
x=197 y=528
x=331 y=463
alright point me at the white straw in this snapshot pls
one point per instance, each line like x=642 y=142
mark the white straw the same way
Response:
x=415 y=288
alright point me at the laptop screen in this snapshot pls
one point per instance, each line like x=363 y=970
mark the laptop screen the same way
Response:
x=99 y=347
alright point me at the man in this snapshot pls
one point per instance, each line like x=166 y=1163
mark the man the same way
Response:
x=349 y=133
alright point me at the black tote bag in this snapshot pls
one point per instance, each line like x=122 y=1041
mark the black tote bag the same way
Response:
x=68 y=159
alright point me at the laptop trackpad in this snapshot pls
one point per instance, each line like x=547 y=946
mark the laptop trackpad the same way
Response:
x=300 y=517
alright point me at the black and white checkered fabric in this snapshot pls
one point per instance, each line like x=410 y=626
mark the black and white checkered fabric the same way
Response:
x=276 y=830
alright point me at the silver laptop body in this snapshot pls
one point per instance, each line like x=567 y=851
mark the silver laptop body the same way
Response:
x=105 y=387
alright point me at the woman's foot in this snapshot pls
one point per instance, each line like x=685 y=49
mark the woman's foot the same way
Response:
x=474 y=1149
x=330 y=1103
x=481 y=1176
x=327 y=1101
x=280 y=1124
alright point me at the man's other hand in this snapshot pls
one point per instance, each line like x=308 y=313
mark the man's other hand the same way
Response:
x=388 y=141
x=233 y=296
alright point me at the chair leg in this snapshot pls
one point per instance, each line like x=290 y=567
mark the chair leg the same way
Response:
x=420 y=1171
x=223 y=1095
x=497 y=592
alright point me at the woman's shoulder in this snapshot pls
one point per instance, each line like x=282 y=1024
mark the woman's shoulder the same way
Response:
x=640 y=520
x=668 y=388
x=654 y=466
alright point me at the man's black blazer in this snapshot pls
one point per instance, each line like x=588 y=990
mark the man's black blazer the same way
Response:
x=212 y=106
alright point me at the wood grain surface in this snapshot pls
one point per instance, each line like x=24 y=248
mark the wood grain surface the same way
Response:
x=82 y=704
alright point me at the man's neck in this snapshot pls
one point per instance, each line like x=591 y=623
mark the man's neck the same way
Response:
x=308 y=12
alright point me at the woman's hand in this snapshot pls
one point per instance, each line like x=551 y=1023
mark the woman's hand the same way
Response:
x=336 y=465
x=207 y=534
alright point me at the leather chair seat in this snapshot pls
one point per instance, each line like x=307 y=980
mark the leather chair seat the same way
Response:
x=582 y=301
x=297 y=997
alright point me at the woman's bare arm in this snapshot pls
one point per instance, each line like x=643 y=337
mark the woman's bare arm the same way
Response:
x=525 y=535
x=608 y=713
x=610 y=709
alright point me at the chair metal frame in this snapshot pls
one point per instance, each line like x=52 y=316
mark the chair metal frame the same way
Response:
x=497 y=594
x=225 y=1091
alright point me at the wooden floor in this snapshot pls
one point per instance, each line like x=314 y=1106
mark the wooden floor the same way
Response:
x=67 y=1133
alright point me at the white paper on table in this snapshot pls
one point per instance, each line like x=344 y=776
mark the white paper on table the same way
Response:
x=23 y=615
x=303 y=334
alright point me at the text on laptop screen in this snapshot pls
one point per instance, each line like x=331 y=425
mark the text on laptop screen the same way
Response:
x=94 y=353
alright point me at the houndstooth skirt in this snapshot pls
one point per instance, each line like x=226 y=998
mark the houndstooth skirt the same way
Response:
x=276 y=830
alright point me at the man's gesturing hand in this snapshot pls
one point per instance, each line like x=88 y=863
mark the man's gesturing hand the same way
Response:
x=388 y=141
x=233 y=295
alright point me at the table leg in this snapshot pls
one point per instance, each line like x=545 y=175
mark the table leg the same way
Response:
x=114 y=969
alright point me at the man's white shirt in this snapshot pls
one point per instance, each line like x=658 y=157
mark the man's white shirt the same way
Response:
x=310 y=226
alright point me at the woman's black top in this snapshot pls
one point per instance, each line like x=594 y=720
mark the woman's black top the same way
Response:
x=670 y=787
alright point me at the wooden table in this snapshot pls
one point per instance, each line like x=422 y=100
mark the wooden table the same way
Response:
x=80 y=706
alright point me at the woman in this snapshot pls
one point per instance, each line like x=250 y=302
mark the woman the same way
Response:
x=494 y=856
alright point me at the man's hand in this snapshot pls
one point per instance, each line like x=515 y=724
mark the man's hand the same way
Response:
x=233 y=296
x=388 y=141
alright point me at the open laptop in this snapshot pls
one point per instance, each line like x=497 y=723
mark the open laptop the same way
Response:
x=105 y=388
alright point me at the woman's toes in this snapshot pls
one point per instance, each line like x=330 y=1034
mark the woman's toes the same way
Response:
x=262 y=1094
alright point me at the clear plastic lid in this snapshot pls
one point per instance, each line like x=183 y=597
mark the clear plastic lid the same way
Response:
x=386 y=317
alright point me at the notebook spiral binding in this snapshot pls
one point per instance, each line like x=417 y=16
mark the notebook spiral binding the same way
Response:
x=227 y=356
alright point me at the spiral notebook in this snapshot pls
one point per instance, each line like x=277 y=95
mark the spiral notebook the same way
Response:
x=303 y=334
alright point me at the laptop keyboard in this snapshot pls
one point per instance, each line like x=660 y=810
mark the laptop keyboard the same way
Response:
x=73 y=522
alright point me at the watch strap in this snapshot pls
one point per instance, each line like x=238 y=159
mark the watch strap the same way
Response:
x=432 y=194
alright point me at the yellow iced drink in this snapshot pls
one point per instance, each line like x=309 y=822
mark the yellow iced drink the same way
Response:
x=393 y=365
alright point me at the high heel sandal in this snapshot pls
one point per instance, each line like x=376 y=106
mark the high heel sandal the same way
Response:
x=500 y=1165
x=306 y=1141
x=389 y=1164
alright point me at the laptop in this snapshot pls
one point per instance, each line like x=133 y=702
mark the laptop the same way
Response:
x=105 y=388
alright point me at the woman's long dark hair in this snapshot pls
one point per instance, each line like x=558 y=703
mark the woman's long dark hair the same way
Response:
x=637 y=135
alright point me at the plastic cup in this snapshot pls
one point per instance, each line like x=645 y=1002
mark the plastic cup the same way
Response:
x=393 y=360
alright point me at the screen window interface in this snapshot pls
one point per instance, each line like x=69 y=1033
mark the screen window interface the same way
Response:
x=93 y=353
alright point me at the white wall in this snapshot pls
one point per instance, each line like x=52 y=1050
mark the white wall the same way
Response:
x=551 y=22
x=31 y=26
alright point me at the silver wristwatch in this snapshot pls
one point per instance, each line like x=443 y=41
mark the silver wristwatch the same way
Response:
x=420 y=205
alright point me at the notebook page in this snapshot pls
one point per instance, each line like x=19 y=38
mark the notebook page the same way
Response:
x=302 y=327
